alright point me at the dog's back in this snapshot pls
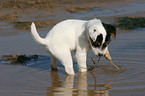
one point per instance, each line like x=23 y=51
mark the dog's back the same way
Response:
x=64 y=32
x=66 y=27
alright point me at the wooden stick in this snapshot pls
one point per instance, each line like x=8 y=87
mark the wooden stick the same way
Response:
x=93 y=61
x=114 y=65
x=91 y=68
x=108 y=57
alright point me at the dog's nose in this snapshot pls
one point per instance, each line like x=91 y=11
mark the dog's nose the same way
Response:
x=100 y=54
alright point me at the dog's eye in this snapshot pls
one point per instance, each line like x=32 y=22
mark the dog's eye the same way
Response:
x=94 y=30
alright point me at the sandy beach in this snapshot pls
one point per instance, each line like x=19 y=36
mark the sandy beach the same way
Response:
x=35 y=78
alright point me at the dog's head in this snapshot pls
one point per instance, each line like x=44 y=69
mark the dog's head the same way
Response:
x=99 y=35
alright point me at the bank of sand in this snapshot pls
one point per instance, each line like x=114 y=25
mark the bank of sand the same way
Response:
x=17 y=15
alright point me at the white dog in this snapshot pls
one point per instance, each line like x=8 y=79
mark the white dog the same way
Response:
x=78 y=35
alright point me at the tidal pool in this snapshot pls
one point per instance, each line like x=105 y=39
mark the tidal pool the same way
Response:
x=37 y=79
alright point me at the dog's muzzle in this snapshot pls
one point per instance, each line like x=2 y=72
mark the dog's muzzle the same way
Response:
x=100 y=54
x=98 y=47
x=98 y=41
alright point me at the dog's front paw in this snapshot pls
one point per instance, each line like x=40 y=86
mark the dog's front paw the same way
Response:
x=70 y=72
x=83 y=69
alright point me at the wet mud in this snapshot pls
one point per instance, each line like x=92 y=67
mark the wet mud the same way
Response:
x=25 y=25
x=19 y=14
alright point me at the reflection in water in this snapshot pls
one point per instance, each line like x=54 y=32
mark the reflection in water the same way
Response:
x=76 y=86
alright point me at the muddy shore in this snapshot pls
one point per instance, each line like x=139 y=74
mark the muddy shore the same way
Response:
x=18 y=14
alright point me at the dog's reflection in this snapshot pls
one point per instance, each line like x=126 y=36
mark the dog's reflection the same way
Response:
x=76 y=86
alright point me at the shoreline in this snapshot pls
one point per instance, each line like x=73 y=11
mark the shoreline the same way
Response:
x=15 y=34
x=48 y=13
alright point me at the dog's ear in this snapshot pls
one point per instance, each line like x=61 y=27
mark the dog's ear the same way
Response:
x=110 y=29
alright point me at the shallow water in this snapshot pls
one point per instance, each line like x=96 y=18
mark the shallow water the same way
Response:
x=37 y=79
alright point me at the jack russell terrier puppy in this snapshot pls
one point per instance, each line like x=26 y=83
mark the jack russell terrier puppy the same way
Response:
x=76 y=35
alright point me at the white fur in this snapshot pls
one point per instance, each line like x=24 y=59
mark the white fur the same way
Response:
x=70 y=35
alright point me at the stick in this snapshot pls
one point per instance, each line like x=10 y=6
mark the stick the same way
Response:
x=97 y=61
x=114 y=65
x=108 y=57
x=91 y=68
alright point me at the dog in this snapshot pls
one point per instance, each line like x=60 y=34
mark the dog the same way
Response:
x=76 y=35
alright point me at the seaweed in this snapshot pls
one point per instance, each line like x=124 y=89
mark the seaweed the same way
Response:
x=19 y=59
x=130 y=23
x=91 y=68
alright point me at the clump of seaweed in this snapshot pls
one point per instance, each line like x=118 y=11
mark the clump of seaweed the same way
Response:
x=19 y=59
x=130 y=23
x=91 y=68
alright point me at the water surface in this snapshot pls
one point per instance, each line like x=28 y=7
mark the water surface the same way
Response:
x=37 y=79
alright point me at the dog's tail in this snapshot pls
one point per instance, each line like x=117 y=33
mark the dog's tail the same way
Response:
x=36 y=36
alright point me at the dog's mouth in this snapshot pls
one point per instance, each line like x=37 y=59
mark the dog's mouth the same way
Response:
x=95 y=44
x=98 y=42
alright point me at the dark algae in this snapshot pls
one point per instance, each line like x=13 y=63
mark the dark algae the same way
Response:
x=130 y=23
x=19 y=59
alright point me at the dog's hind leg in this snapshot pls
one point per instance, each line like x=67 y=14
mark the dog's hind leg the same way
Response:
x=53 y=63
x=64 y=55
x=67 y=61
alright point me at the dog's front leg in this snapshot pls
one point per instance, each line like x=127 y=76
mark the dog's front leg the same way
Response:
x=81 y=57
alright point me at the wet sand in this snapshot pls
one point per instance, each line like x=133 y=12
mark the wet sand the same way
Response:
x=37 y=79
